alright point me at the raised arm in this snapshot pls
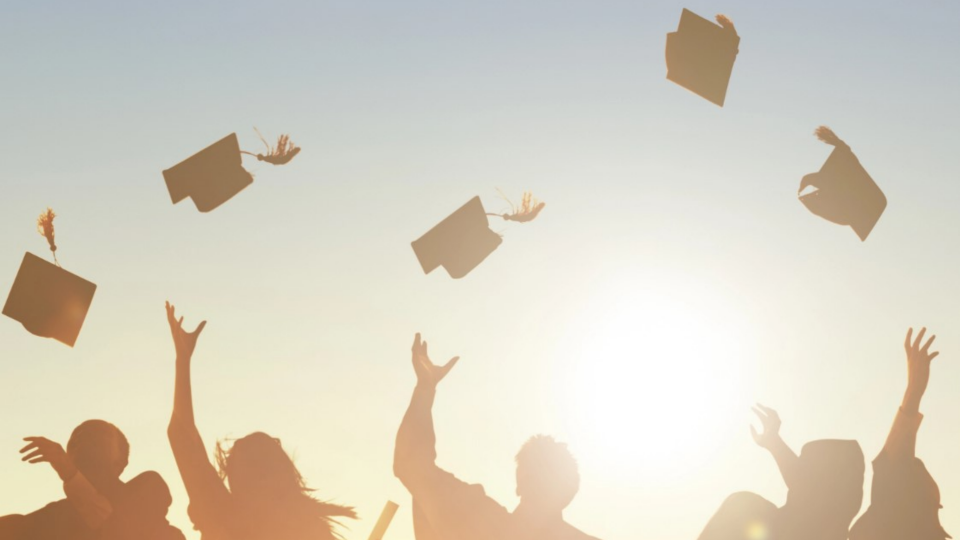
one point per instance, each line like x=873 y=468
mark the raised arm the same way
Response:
x=902 y=440
x=770 y=439
x=415 y=450
x=93 y=507
x=199 y=477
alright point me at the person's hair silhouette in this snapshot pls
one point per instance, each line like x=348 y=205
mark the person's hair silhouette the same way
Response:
x=446 y=508
x=97 y=504
x=547 y=474
x=101 y=452
x=825 y=491
x=267 y=498
x=904 y=499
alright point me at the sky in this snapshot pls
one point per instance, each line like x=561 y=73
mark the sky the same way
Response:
x=672 y=280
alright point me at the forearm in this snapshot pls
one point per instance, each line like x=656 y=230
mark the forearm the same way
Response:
x=901 y=442
x=182 y=416
x=787 y=461
x=92 y=507
x=416 y=440
x=911 y=399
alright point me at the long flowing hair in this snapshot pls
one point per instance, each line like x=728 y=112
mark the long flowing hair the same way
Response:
x=271 y=494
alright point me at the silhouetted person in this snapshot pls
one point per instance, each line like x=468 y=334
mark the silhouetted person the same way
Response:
x=904 y=499
x=825 y=491
x=445 y=508
x=98 y=505
x=267 y=498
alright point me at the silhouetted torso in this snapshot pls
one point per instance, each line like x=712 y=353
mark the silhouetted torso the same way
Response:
x=139 y=513
x=904 y=498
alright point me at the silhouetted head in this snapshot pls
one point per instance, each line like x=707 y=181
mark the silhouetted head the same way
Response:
x=257 y=465
x=547 y=474
x=828 y=490
x=270 y=493
x=100 y=451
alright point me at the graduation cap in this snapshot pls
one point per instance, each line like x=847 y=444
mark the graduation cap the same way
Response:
x=828 y=482
x=700 y=55
x=46 y=299
x=215 y=174
x=463 y=240
x=845 y=194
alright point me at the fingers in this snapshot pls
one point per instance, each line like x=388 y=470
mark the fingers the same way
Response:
x=919 y=340
x=906 y=344
x=180 y=323
x=35 y=457
x=934 y=355
x=760 y=414
x=448 y=366
x=200 y=328
x=30 y=446
x=416 y=342
x=35 y=442
x=926 y=346
x=755 y=434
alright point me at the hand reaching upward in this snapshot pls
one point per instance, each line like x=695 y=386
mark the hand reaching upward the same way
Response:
x=918 y=368
x=429 y=374
x=183 y=341
x=770 y=421
x=40 y=450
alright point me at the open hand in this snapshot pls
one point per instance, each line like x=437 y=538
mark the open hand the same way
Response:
x=918 y=364
x=41 y=450
x=427 y=373
x=183 y=341
x=770 y=421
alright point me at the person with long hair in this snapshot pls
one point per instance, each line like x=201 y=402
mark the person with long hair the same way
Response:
x=255 y=492
x=904 y=498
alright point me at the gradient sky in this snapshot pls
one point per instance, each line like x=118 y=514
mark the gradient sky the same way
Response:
x=672 y=280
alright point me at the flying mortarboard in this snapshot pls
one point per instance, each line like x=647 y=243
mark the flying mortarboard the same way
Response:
x=46 y=299
x=215 y=174
x=463 y=240
x=700 y=55
x=845 y=194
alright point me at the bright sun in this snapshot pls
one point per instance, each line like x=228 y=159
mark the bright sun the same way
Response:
x=660 y=377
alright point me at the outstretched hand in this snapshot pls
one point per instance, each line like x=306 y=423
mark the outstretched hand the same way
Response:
x=770 y=421
x=40 y=450
x=918 y=366
x=184 y=342
x=429 y=374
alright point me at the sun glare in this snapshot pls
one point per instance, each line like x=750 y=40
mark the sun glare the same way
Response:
x=659 y=379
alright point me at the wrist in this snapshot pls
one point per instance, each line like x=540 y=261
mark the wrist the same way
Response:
x=66 y=471
x=426 y=387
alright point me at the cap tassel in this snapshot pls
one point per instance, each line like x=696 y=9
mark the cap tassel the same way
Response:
x=726 y=23
x=827 y=135
x=45 y=228
x=528 y=211
x=279 y=155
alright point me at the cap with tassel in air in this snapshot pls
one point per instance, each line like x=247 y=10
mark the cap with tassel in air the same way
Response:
x=215 y=174
x=46 y=299
x=844 y=192
x=463 y=240
x=700 y=55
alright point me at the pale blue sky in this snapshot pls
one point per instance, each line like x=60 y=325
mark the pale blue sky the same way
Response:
x=672 y=259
